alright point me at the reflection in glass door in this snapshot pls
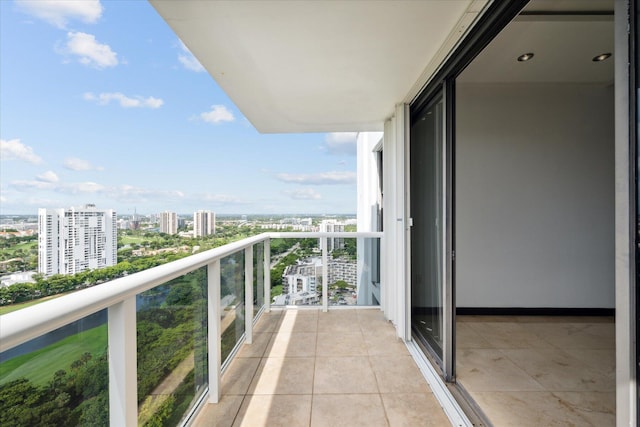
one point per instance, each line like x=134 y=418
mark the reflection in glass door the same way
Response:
x=634 y=130
x=426 y=209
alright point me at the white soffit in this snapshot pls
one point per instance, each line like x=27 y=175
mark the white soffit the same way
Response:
x=316 y=66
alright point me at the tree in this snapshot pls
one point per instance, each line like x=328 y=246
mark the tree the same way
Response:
x=93 y=378
x=19 y=401
x=21 y=292
x=94 y=412
x=180 y=294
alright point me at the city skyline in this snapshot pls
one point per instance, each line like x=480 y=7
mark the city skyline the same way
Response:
x=102 y=103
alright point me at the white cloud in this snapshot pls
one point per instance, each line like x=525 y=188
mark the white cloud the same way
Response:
x=59 y=12
x=189 y=61
x=131 y=193
x=17 y=202
x=125 y=101
x=218 y=114
x=48 y=176
x=33 y=184
x=122 y=192
x=90 y=51
x=341 y=143
x=64 y=188
x=44 y=193
x=76 y=164
x=324 y=178
x=220 y=199
x=304 y=194
x=81 y=187
x=14 y=149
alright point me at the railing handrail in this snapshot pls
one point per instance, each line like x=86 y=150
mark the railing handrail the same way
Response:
x=323 y=234
x=22 y=325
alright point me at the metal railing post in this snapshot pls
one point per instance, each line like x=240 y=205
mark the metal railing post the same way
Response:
x=248 y=295
x=325 y=275
x=123 y=379
x=267 y=275
x=213 y=336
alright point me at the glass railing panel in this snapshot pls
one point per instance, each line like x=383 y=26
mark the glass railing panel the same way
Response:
x=172 y=348
x=296 y=272
x=354 y=271
x=258 y=277
x=60 y=378
x=231 y=302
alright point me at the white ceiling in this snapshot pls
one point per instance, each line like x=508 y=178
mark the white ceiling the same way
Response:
x=569 y=6
x=319 y=66
x=562 y=38
x=563 y=52
x=326 y=66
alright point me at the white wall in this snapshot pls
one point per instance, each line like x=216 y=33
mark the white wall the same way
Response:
x=368 y=204
x=368 y=179
x=394 y=287
x=535 y=196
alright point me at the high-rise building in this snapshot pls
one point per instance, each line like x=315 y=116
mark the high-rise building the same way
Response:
x=134 y=224
x=332 y=226
x=168 y=222
x=76 y=239
x=204 y=223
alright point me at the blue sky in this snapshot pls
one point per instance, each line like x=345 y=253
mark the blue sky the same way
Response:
x=101 y=103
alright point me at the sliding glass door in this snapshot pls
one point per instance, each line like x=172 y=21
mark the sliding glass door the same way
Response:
x=427 y=230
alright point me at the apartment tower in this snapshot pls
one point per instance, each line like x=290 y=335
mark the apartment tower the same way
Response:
x=332 y=226
x=168 y=222
x=204 y=223
x=76 y=239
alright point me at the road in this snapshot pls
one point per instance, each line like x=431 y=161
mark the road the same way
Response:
x=275 y=259
x=154 y=401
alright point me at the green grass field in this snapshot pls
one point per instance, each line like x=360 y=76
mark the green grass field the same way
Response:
x=129 y=240
x=15 y=307
x=25 y=246
x=39 y=366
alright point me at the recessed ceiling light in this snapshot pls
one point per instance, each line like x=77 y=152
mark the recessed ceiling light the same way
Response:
x=601 y=57
x=525 y=57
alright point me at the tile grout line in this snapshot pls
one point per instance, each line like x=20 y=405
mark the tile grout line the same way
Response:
x=313 y=378
x=244 y=396
x=379 y=394
x=273 y=334
x=553 y=347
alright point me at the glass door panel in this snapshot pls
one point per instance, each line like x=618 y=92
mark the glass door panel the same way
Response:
x=426 y=209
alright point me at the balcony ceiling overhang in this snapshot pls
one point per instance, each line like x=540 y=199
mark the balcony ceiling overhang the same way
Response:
x=319 y=66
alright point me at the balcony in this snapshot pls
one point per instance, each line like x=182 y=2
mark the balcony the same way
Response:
x=201 y=341
x=198 y=339
x=314 y=368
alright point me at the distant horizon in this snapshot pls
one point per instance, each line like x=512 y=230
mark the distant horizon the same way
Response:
x=217 y=214
x=102 y=102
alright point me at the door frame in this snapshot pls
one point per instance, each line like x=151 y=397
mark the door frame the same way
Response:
x=490 y=24
x=444 y=362
x=627 y=56
x=633 y=41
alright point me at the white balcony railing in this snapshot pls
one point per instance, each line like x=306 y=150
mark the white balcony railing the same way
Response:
x=119 y=298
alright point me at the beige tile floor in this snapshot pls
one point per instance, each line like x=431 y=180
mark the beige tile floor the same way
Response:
x=308 y=368
x=539 y=371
